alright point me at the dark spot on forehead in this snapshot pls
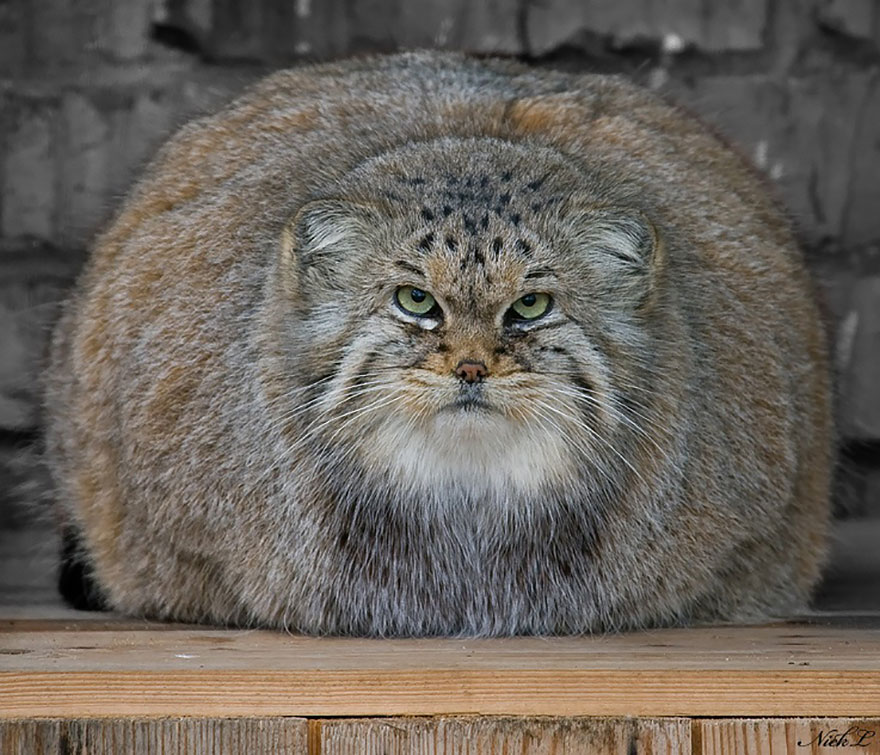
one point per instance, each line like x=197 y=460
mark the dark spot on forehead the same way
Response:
x=496 y=245
x=476 y=197
x=427 y=242
x=451 y=244
x=523 y=248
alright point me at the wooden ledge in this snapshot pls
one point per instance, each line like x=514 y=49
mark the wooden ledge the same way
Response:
x=823 y=665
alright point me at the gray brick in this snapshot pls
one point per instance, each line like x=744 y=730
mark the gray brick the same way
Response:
x=818 y=134
x=369 y=19
x=555 y=23
x=791 y=32
x=206 y=90
x=85 y=169
x=312 y=28
x=149 y=122
x=13 y=32
x=32 y=282
x=734 y=25
x=277 y=30
x=856 y=18
x=237 y=30
x=862 y=214
x=335 y=27
x=737 y=25
x=29 y=171
x=137 y=131
x=484 y=26
x=872 y=494
x=51 y=23
x=860 y=399
x=124 y=29
x=200 y=14
x=800 y=131
x=63 y=32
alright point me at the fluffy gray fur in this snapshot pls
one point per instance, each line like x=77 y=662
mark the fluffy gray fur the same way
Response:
x=246 y=428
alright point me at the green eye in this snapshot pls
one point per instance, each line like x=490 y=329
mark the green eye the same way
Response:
x=531 y=306
x=415 y=301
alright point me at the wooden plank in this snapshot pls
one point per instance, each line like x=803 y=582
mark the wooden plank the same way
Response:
x=175 y=736
x=527 y=736
x=787 y=737
x=118 y=668
x=832 y=643
x=438 y=736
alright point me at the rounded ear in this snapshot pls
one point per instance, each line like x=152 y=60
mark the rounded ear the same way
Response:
x=621 y=247
x=322 y=236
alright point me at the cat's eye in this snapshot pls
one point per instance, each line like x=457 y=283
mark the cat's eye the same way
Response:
x=415 y=301
x=530 y=307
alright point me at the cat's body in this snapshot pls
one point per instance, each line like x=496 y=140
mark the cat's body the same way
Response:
x=250 y=421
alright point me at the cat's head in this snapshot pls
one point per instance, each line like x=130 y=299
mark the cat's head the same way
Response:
x=469 y=317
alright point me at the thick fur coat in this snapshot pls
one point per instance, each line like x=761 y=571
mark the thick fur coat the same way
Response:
x=247 y=425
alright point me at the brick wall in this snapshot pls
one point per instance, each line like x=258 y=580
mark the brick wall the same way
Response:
x=88 y=89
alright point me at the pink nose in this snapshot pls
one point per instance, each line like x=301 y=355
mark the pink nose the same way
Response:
x=470 y=371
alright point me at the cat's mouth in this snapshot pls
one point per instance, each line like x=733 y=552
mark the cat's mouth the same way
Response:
x=468 y=404
x=470 y=398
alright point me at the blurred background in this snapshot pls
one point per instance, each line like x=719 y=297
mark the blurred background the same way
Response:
x=88 y=89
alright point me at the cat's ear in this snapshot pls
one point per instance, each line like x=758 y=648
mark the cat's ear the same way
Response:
x=325 y=239
x=621 y=248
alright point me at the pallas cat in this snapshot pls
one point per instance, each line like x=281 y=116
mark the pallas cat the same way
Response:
x=429 y=345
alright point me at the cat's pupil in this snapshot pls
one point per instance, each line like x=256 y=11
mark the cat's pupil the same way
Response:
x=417 y=295
x=529 y=300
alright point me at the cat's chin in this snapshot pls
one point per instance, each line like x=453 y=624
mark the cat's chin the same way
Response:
x=470 y=448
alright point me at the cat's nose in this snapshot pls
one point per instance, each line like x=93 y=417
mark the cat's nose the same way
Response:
x=470 y=371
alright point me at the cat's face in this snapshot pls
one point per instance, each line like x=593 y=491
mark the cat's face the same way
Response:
x=467 y=316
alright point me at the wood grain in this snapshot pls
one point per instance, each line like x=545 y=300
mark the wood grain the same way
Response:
x=177 y=736
x=527 y=736
x=445 y=735
x=834 y=643
x=123 y=668
x=789 y=737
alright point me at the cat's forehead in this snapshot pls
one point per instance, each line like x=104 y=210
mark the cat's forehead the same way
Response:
x=472 y=210
x=469 y=181
x=473 y=197
x=467 y=263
